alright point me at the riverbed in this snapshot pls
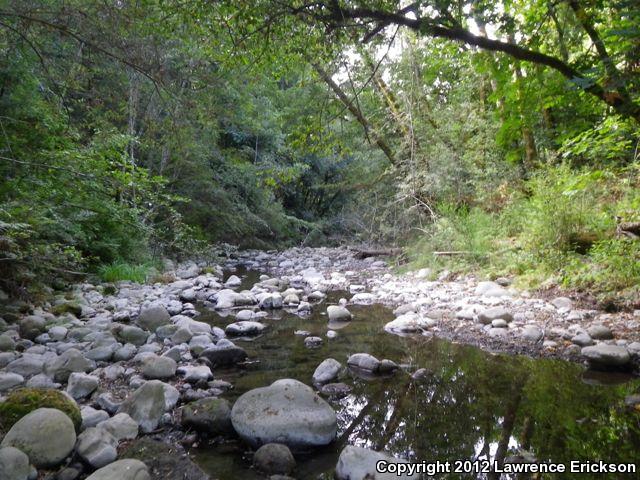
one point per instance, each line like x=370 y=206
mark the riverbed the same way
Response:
x=468 y=404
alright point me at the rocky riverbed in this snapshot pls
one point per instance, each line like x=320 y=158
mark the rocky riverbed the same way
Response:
x=106 y=369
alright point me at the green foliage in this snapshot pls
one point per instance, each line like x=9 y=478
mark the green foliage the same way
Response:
x=25 y=400
x=117 y=271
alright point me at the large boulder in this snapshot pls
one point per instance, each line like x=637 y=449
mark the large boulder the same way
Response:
x=606 y=356
x=128 y=469
x=208 y=415
x=146 y=405
x=152 y=317
x=14 y=464
x=357 y=463
x=287 y=411
x=46 y=435
x=327 y=371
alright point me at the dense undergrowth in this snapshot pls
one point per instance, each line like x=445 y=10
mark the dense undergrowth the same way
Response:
x=131 y=132
x=559 y=230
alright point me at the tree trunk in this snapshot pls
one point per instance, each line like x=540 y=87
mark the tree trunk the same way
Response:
x=355 y=111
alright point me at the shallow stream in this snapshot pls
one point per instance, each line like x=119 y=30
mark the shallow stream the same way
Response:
x=471 y=405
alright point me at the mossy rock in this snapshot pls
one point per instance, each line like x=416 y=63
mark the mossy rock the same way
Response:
x=25 y=400
x=67 y=307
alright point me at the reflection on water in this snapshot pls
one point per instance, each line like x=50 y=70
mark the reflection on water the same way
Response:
x=471 y=404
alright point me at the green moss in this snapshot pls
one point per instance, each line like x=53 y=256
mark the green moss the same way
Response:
x=67 y=307
x=25 y=400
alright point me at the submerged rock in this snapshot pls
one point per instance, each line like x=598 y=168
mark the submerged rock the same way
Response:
x=364 y=361
x=327 y=371
x=287 y=412
x=606 y=355
x=337 y=313
x=409 y=323
x=357 y=463
x=274 y=458
x=208 y=415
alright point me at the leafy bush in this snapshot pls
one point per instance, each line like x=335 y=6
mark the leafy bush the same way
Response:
x=118 y=271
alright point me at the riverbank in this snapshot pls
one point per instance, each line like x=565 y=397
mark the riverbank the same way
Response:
x=135 y=361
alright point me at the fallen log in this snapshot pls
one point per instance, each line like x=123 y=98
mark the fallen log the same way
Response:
x=629 y=229
x=453 y=253
x=385 y=252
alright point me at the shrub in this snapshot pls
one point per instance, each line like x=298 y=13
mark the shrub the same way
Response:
x=118 y=271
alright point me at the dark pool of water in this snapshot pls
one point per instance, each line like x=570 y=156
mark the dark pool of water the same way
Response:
x=471 y=405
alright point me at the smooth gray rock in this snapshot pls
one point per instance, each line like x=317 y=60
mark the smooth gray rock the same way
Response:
x=409 y=323
x=582 y=340
x=274 y=458
x=195 y=373
x=67 y=363
x=606 y=355
x=336 y=313
x=159 y=368
x=146 y=405
x=133 y=335
x=224 y=353
x=152 y=317
x=495 y=313
x=92 y=417
x=491 y=289
x=288 y=412
x=14 y=464
x=120 y=426
x=27 y=365
x=126 y=352
x=532 y=333
x=357 y=463
x=81 y=385
x=364 y=361
x=313 y=342
x=97 y=447
x=600 y=332
x=562 y=303
x=327 y=371
x=9 y=380
x=33 y=435
x=128 y=469
x=245 y=327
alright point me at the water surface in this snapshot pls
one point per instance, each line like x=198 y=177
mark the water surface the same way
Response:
x=471 y=405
